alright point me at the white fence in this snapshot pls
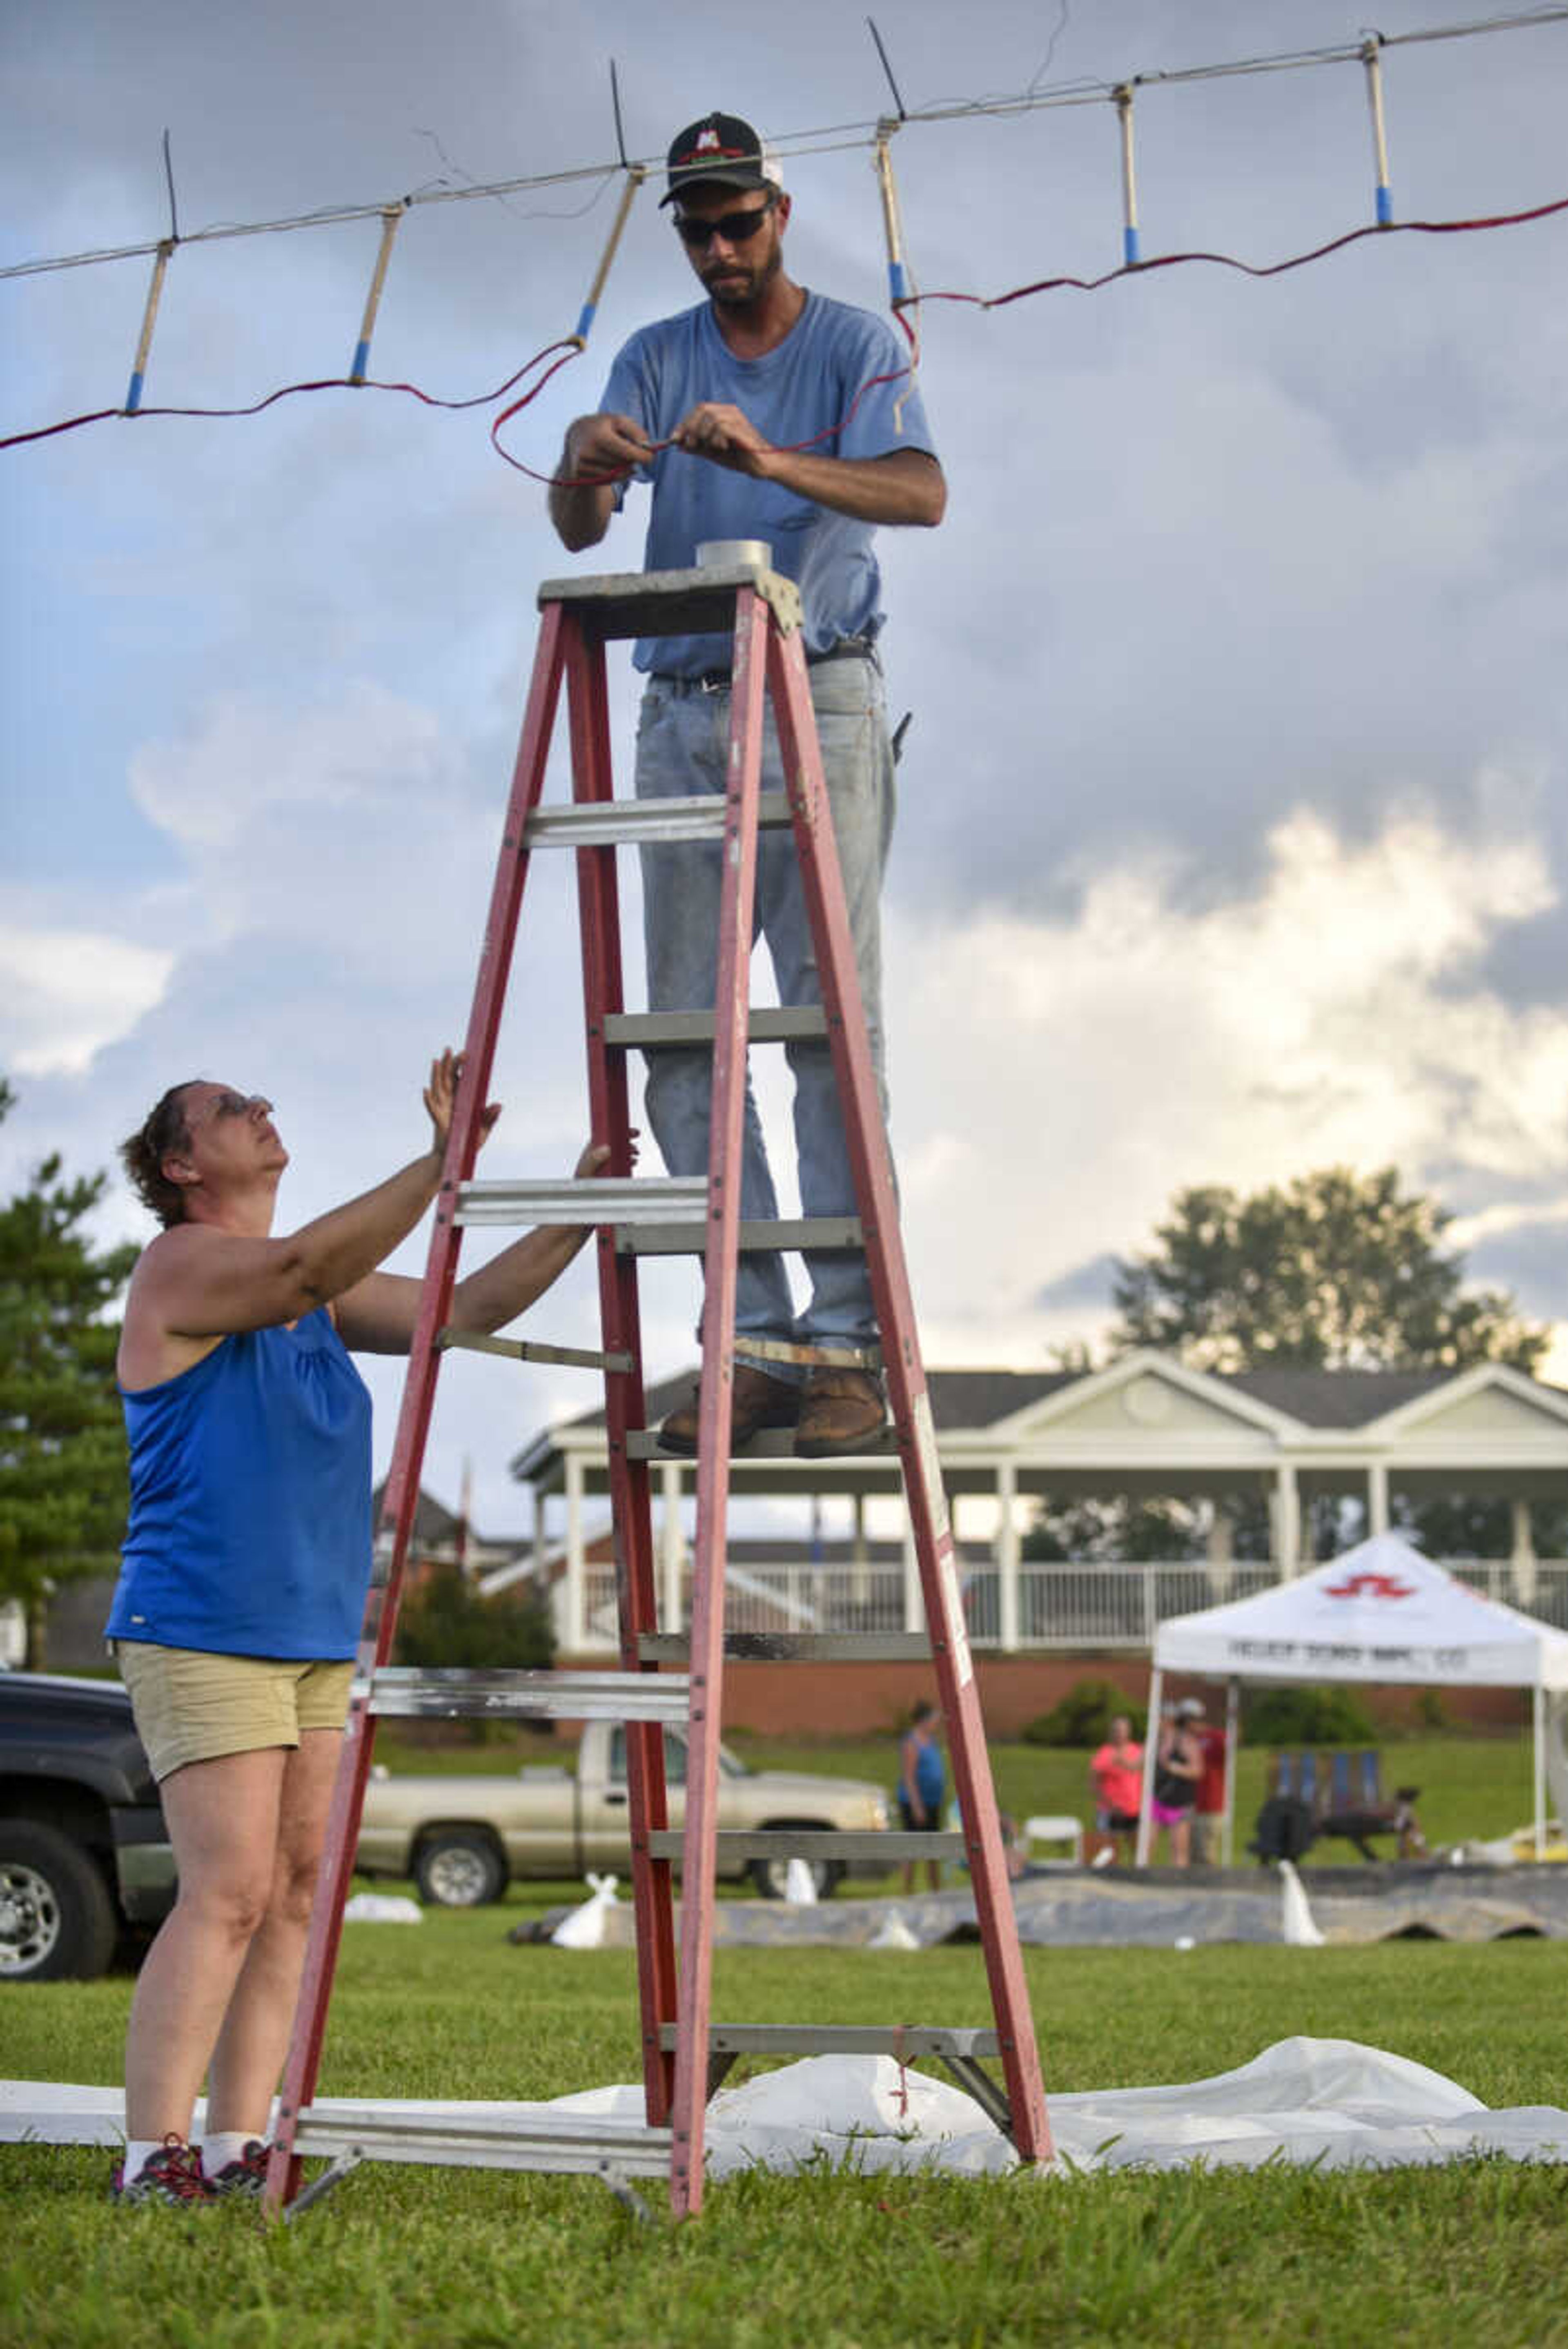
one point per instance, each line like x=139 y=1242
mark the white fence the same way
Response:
x=1066 y=1606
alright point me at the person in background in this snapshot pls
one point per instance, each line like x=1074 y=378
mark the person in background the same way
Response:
x=246 y=1559
x=922 y=1782
x=1116 y=1776
x=1208 y=1807
x=1178 y=1765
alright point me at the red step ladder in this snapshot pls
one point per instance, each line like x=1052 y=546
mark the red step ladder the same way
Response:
x=684 y=2053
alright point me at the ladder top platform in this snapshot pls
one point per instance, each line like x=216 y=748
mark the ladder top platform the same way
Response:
x=611 y=604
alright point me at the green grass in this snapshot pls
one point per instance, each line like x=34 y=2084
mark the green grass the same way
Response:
x=1471 y=2252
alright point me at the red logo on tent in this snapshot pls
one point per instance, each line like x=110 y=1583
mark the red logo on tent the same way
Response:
x=1370 y=1585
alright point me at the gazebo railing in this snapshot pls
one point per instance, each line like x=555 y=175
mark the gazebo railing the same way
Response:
x=1060 y=1606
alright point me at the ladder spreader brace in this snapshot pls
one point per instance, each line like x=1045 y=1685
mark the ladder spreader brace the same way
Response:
x=684 y=2053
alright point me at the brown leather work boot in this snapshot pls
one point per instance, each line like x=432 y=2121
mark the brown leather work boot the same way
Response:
x=841 y=1411
x=757 y=1400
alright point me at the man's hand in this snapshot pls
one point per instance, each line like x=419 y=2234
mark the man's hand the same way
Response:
x=902 y=487
x=603 y=448
x=727 y=436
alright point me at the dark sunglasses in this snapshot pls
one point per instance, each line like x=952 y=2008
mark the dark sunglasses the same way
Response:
x=735 y=227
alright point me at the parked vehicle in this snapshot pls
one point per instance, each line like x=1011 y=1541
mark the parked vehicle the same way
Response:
x=462 y=1839
x=84 y=1852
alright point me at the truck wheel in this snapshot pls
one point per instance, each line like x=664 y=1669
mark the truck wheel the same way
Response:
x=57 y=1919
x=458 y=1868
x=770 y=1876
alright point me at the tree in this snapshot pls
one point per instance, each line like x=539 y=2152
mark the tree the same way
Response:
x=63 y=1489
x=1334 y=1271
x=447 y=1624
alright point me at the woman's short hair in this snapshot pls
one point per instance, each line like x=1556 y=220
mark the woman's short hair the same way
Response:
x=162 y=1132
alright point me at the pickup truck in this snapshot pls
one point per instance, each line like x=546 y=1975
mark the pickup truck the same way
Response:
x=462 y=1839
x=84 y=1853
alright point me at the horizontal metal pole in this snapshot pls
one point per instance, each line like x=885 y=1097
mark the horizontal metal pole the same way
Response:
x=794 y=1023
x=886 y=1843
x=843 y=2039
x=654 y=1199
x=524 y=1350
x=795 y=1233
x=572 y=2142
x=405 y=1693
x=610 y=823
x=796 y=1646
x=773 y=1443
x=832 y=1357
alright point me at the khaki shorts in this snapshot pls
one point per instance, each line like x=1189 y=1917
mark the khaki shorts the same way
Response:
x=190 y=1706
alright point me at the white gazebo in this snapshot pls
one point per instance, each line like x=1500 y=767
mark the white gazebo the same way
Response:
x=1381 y=1613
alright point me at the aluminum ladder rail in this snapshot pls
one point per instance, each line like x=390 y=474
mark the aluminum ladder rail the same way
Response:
x=631 y=1217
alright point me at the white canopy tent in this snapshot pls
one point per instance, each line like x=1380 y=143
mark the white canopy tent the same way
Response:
x=1380 y=1612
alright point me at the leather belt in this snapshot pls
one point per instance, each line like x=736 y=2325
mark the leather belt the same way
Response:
x=717 y=680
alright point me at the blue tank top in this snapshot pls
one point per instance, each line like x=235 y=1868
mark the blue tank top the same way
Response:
x=930 y=1774
x=250 y=1500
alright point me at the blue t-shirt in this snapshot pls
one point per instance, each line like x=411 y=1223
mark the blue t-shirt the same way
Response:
x=250 y=1500
x=807 y=385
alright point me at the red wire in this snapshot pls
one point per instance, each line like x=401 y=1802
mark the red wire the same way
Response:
x=570 y=349
x=1250 y=269
x=602 y=480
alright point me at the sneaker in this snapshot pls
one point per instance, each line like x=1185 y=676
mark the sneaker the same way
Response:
x=172 y=2174
x=841 y=1411
x=757 y=1399
x=245 y=2175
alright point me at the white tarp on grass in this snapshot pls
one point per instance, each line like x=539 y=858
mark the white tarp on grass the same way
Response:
x=1329 y=2101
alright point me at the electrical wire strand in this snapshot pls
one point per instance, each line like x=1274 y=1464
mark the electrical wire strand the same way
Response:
x=1248 y=268
x=570 y=347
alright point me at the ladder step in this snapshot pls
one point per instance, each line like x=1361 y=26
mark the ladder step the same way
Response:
x=794 y=1647
x=900 y=2040
x=627 y=1202
x=796 y=1023
x=524 y=1350
x=773 y=1443
x=608 y=824
x=407 y=1692
x=883 y=1844
x=567 y=2142
x=692 y=603
x=831 y=1357
x=691 y=1239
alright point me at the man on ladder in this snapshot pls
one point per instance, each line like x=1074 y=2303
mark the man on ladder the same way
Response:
x=768 y=413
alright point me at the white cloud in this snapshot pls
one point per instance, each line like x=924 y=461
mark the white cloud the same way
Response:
x=1056 y=1081
x=68 y=993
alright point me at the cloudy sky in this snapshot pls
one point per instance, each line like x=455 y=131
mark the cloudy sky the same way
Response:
x=1232 y=838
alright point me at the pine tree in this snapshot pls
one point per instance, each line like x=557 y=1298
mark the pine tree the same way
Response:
x=63 y=1489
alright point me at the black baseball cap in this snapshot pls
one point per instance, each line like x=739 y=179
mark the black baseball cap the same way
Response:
x=722 y=148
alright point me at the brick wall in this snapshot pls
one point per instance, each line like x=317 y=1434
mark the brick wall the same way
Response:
x=872 y=1700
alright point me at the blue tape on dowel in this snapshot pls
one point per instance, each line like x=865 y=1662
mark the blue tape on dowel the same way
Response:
x=1384 y=206
x=133 y=396
x=1129 y=246
x=897 y=281
x=586 y=319
x=361 y=360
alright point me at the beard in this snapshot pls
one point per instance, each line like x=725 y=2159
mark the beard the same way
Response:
x=736 y=284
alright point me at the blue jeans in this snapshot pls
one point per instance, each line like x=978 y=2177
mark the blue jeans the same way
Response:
x=683 y=749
